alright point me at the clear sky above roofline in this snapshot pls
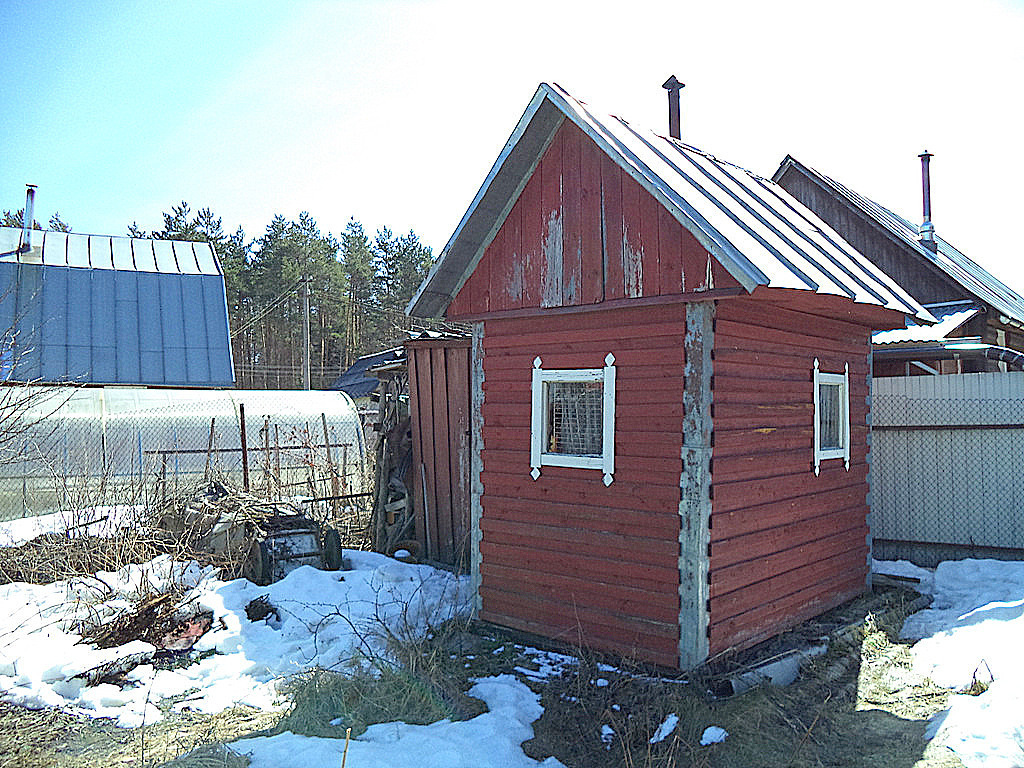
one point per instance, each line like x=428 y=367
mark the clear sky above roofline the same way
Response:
x=392 y=112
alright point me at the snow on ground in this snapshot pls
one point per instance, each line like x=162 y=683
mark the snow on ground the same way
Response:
x=973 y=631
x=325 y=618
x=489 y=740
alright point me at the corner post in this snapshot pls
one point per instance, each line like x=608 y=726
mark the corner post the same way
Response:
x=476 y=389
x=695 y=486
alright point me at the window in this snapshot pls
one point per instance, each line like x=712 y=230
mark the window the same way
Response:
x=831 y=416
x=572 y=420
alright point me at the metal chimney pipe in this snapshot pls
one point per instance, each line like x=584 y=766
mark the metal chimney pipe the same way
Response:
x=26 y=219
x=673 y=86
x=927 y=229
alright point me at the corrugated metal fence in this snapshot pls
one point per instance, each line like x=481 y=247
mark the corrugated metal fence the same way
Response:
x=947 y=475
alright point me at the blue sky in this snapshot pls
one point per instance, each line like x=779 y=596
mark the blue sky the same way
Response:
x=392 y=112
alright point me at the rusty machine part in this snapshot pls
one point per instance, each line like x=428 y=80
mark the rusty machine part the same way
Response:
x=287 y=540
x=266 y=540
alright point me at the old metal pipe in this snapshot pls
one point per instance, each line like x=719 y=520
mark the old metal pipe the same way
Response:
x=673 y=86
x=26 y=219
x=927 y=228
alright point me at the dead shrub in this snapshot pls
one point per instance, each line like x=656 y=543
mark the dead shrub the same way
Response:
x=58 y=557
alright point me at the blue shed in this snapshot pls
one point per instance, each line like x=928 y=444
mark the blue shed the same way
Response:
x=96 y=309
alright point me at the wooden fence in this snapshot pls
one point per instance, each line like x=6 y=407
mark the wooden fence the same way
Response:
x=947 y=467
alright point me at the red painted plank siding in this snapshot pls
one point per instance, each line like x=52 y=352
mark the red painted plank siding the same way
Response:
x=583 y=231
x=785 y=544
x=591 y=254
x=532 y=236
x=565 y=556
x=572 y=204
x=611 y=198
x=651 y=252
x=439 y=420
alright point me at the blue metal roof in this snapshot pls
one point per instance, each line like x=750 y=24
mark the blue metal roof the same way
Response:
x=112 y=310
x=751 y=225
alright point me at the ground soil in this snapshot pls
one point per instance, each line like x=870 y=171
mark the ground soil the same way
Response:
x=859 y=704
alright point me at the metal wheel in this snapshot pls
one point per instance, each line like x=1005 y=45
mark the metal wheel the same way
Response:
x=257 y=566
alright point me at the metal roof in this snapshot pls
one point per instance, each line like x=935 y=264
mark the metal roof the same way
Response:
x=70 y=249
x=974 y=278
x=112 y=310
x=754 y=228
x=949 y=319
x=356 y=380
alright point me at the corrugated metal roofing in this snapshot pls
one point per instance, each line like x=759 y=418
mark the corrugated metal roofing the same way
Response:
x=753 y=227
x=356 y=381
x=113 y=310
x=64 y=249
x=977 y=280
x=949 y=319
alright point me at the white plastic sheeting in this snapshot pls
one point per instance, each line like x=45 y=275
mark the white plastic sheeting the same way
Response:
x=125 y=445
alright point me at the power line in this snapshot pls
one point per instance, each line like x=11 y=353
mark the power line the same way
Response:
x=266 y=310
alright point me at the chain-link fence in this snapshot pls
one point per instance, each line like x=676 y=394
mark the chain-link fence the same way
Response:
x=107 y=447
x=947 y=477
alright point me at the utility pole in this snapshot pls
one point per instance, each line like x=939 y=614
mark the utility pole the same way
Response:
x=305 y=333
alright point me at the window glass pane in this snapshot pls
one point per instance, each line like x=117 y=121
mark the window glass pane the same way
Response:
x=574 y=423
x=830 y=416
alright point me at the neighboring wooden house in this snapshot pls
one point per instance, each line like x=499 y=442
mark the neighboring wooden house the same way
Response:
x=670 y=369
x=980 y=317
x=95 y=309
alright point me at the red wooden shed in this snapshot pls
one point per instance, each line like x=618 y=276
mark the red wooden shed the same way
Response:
x=669 y=379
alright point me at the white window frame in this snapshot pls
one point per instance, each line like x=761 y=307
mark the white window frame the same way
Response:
x=843 y=380
x=538 y=418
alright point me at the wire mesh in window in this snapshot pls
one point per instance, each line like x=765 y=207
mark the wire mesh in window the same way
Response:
x=575 y=417
x=830 y=416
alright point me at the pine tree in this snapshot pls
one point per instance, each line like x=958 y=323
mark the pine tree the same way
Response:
x=402 y=263
x=357 y=264
x=15 y=219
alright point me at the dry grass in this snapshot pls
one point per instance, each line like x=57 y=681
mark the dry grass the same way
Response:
x=54 y=739
x=857 y=706
x=419 y=680
x=211 y=756
x=182 y=527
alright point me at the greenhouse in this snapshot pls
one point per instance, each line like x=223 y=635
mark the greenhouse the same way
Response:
x=68 y=448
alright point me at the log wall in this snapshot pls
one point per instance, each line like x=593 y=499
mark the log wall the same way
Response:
x=785 y=544
x=565 y=556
